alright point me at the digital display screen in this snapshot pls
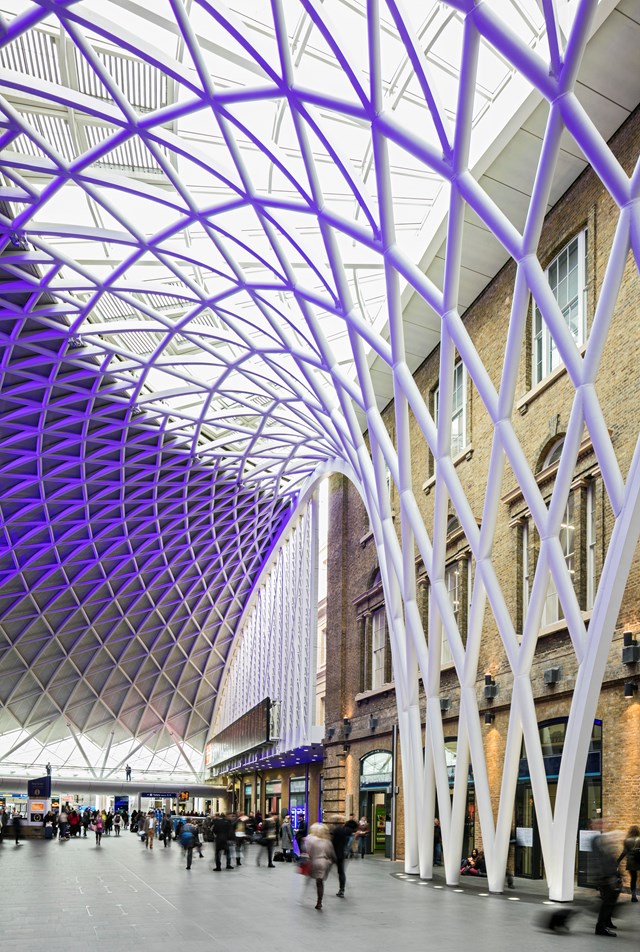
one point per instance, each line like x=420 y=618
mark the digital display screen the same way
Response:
x=248 y=732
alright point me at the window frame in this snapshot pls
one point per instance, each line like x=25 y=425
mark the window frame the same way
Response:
x=544 y=355
x=458 y=413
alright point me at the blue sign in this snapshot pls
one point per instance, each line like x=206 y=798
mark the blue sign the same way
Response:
x=39 y=789
x=159 y=795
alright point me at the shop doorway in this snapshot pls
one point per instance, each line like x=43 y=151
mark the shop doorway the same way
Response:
x=376 y=777
x=528 y=861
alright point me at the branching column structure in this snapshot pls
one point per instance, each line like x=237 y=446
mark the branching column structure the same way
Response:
x=209 y=211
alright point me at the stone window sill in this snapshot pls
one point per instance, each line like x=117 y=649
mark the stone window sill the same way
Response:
x=465 y=455
x=365 y=696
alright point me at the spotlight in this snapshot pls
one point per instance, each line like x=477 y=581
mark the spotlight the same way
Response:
x=346 y=726
x=489 y=717
x=346 y=748
x=373 y=722
x=330 y=732
x=490 y=687
x=631 y=649
x=629 y=688
x=445 y=703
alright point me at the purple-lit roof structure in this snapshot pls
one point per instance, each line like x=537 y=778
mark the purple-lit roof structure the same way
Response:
x=229 y=235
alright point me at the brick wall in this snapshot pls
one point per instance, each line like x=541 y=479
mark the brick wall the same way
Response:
x=541 y=415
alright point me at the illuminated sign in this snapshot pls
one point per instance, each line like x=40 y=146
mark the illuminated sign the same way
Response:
x=249 y=732
x=183 y=796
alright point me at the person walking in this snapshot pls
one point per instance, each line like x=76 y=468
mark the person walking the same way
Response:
x=127 y=771
x=321 y=855
x=268 y=840
x=223 y=833
x=632 y=853
x=351 y=826
x=187 y=840
x=17 y=827
x=99 y=828
x=286 y=839
x=149 y=830
x=301 y=834
x=63 y=819
x=166 y=829
x=340 y=837
x=362 y=835
x=117 y=823
x=607 y=880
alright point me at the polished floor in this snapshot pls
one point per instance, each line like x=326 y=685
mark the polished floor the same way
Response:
x=120 y=897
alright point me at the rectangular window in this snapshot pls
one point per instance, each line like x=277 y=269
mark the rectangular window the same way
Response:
x=458 y=409
x=457 y=581
x=552 y=608
x=526 y=574
x=322 y=648
x=567 y=276
x=590 y=543
x=378 y=637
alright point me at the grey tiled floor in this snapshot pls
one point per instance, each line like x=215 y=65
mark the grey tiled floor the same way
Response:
x=120 y=897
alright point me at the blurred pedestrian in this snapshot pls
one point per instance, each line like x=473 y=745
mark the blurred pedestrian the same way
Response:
x=268 y=840
x=301 y=834
x=321 y=856
x=340 y=837
x=632 y=853
x=607 y=880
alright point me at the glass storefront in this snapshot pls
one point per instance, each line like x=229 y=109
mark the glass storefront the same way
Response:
x=297 y=800
x=528 y=853
x=376 y=778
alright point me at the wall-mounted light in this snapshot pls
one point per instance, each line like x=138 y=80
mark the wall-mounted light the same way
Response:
x=346 y=748
x=330 y=732
x=346 y=726
x=490 y=687
x=552 y=675
x=489 y=717
x=631 y=649
x=445 y=703
x=629 y=688
x=373 y=722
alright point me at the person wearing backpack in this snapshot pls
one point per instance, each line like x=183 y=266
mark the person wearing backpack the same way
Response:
x=187 y=841
x=632 y=852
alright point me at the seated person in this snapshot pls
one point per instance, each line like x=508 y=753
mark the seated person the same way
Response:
x=474 y=865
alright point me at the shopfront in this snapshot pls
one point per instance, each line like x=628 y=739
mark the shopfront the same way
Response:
x=528 y=853
x=376 y=779
x=272 y=796
x=297 y=800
